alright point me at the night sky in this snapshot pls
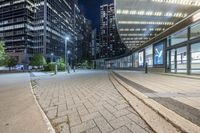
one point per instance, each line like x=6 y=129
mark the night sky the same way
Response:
x=91 y=10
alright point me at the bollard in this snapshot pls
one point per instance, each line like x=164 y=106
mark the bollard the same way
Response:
x=68 y=67
x=74 y=68
x=56 y=69
x=146 y=68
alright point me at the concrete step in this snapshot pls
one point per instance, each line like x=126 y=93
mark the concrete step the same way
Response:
x=158 y=117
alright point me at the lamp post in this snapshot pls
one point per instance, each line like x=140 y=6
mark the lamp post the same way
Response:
x=52 y=54
x=66 y=55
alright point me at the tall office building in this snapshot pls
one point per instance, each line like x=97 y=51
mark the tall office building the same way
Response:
x=16 y=27
x=95 y=48
x=84 y=41
x=110 y=42
x=39 y=26
x=54 y=20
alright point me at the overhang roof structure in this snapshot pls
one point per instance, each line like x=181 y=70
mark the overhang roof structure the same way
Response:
x=140 y=20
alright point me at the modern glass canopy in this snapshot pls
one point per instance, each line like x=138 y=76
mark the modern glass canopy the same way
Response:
x=140 y=20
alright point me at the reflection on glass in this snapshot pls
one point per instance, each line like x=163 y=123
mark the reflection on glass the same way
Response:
x=136 y=62
x=195 y=58
x=149 y=55
x=129 y=61
x=173 y=60
x=179 y=37
x=195 y=30
x=181 y=60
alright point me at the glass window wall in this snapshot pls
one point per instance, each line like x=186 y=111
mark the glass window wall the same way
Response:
x=173 y=63
x=179 y=60
x=130 y=61
x=195 y=58
x=136 y=61
x=141 y=59
x=182 y=60
x=179 y=37
x=149 y=55
x=195 y=30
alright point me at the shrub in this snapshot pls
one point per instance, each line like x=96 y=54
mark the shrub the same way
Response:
x=38 y=60
x=49 y=67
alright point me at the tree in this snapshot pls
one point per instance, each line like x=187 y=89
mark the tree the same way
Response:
x=2 y=54
x=38 y=60
x=11 y=62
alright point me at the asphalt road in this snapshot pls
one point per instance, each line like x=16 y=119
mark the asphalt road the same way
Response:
x=18 y=110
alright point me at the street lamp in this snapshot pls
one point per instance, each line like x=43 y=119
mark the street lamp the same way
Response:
x=66 y=55
x=52 y=54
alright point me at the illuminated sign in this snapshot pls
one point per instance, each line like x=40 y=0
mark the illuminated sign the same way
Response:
x=158 y=54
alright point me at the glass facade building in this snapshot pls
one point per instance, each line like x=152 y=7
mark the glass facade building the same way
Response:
x=110 y=42
x=29 y=27
x=163 y=35
x=176 y=50
x=16 y=27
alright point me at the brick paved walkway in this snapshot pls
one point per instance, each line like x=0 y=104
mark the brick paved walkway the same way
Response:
x=87 y=102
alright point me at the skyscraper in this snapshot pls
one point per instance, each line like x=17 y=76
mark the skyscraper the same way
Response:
x=110 y=42
x=54 y=20
x=16 y=27
x=39 y=26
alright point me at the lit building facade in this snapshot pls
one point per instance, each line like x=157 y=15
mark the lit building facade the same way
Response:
x=16 y=28
x=29 y=27
x=110 y=42
x=174 y=46
x=85 y=38
x=54 y=20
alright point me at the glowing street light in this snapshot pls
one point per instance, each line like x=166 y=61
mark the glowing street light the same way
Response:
x=52 y=54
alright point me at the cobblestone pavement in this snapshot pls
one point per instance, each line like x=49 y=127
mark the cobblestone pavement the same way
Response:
x=87 y=102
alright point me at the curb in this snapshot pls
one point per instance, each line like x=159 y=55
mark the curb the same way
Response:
x=181 y=76
x=47 y=122
x=156 y=122
x=174 y=119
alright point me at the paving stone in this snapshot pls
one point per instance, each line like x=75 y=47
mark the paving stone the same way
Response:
x=122 y=130
x=82 y=110
x=103 y=125
x=137 y=120
x=136 y=128
x=121 y=121
x=52 y=113
x=59 y=120
x=121 y=106
x=64 y=113
x=110 y=108
x=121 y=112
x=74 y=119
x=93 y=130
x=107 y=115
x=63 y=128
x=90 y=116
x=83 y=127
x=95 y=109
x=62 y=108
